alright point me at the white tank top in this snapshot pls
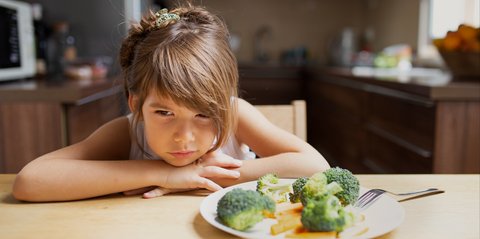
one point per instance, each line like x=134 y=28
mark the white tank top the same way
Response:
x=232 y=148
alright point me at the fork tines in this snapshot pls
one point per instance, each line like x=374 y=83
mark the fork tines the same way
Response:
x=368 y=198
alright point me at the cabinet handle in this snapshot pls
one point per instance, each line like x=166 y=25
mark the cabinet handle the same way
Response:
x=399 y=141
x=411 y=98
x=417 y=100
x=370 y=164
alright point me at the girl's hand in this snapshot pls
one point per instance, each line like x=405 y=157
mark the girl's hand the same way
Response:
x=219 y=159
x=199 y=173
x=159 y=191
x=153 y=191
x=211 y=165
x=139 y=191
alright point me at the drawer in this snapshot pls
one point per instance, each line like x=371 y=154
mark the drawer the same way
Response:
x=385 y=156
x=349 y=100
x=337 y=136
x=413 y=123
x=261 y=91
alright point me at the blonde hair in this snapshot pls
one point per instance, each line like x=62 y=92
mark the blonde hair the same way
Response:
x=187 y=60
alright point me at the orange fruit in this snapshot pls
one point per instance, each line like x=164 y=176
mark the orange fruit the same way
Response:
x=452 y=41
x=472 y=46
x=467 y=32
x=438 y=43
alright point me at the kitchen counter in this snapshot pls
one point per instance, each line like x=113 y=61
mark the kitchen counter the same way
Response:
x=431 y=84
x=38 y=116
x=66 y=91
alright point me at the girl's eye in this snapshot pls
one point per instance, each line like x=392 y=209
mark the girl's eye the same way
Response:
x=163 y=112
x=203 y=116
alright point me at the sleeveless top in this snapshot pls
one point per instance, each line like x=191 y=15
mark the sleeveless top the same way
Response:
x=232 y=148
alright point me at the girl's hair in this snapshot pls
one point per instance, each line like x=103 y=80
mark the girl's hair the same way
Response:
x=187 y=60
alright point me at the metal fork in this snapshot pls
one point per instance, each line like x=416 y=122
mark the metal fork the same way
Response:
x=373 y=195
x=368 y=198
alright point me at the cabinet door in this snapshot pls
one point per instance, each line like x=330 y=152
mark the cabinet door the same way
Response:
x=457 y=137
x=271 y=85
x=412 y=122
x=388 y=156
x=84 y=119
x=335 y=124
x=400 y=135
x=27 y=130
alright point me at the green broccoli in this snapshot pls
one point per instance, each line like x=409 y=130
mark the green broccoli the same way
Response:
x=241 y=209
x=297 y=187
x=269 y=185
x=317 y=185
x=325 y=213
x=347 y=181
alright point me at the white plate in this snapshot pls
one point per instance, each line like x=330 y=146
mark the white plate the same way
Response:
x=382 y=217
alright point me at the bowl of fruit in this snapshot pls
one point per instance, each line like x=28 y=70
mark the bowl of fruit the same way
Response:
x=460 y=50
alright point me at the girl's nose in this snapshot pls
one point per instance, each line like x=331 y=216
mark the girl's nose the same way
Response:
x=183 y=133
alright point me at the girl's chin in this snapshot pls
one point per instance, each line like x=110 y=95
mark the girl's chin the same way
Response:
x=179 y=162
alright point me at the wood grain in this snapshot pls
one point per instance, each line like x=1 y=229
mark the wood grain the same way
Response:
x=29 y=129
x=37 y=117
x=457 y=137
x=453 y=214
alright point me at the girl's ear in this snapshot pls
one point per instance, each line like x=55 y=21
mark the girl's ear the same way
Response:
x=132 y=102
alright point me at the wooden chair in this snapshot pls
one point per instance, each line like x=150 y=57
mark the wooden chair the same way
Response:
x=292 y=118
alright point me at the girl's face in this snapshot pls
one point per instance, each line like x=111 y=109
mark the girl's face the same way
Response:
x=177 y=134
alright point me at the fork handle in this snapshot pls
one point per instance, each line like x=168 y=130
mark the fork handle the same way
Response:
x=430 y=190
x=419 y=194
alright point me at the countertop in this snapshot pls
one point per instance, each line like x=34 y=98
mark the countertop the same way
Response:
x=432 y=84
x=66 y=91
x=453 y=214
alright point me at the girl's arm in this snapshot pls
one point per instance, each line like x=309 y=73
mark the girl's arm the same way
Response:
x=280 y=151
x=97 y=166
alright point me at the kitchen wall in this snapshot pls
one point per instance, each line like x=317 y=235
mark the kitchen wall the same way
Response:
x=316 y=23
x=393 y=21
x=98 y=25
x=309 y=23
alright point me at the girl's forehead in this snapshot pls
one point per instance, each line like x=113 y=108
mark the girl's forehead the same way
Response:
x=156 y=99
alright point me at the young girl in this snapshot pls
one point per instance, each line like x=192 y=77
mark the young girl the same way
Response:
x=187 y=128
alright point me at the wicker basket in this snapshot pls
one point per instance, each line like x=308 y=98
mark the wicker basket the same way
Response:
x=463 y=64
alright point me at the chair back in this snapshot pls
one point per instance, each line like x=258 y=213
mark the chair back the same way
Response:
x=292 y=117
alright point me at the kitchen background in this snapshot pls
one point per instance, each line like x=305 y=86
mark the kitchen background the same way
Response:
x=426 y=123
x=263 y=30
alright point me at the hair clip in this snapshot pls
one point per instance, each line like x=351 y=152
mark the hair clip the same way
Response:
x=163 y=16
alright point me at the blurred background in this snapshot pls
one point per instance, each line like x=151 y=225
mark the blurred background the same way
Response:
x=392 y=86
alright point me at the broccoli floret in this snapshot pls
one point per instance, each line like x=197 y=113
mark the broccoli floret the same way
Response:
x=297 y=187
x=269 y=185
x=317 y=185
x=241 y=209
x=325 y=213
x=347 y=181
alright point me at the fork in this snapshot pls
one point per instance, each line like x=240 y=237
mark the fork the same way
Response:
x=372 y=195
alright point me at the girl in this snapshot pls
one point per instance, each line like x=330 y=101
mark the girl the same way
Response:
x=181 y=83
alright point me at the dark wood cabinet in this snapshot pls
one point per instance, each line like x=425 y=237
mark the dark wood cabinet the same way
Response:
x=271 y=84
x=377 y=126
x=38 y=117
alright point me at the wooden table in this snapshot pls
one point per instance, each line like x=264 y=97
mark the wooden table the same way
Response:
x=453 y=214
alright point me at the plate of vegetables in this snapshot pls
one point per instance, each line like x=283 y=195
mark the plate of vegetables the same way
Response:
x=316 y=207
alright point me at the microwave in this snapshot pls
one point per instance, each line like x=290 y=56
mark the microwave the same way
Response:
x=17 y=44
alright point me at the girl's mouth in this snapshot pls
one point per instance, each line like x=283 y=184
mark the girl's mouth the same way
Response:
x=182 y=154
